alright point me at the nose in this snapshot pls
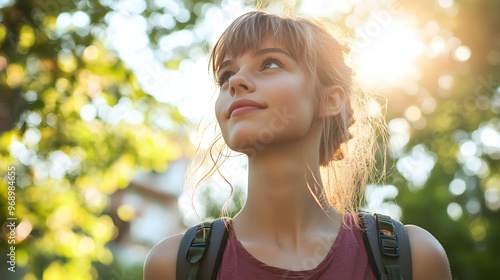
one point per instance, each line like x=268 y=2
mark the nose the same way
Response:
x=239 y=83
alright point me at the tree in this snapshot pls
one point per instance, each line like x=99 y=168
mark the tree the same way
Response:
x=76 y=126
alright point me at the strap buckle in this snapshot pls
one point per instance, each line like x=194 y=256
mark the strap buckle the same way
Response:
x=196 y=248
x=388 y=239
x=389 y=243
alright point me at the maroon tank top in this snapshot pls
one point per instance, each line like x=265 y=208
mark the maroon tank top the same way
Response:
x=346 y=259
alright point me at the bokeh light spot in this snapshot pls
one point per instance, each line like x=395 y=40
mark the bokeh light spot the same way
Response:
x=88 y=112
x=445 y=3
x=91 y=52
x=492 y=198
x=413 y=113
x=63 y=21
x=429 y=104
x=478 y=229
x=454 y=211
x=473 y=206
x=457 y=186
x=468 y=148
x=126 y=213
x=462 y=53
x=86 y=245
x=399 y=130
x=446 y=81
x=80 y=19
x=23 y=230
x=15 y=74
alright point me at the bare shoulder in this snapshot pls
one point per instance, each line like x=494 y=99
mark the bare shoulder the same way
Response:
x=429 y=260
x=161 y=261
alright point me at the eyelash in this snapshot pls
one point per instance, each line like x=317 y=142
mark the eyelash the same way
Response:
x=268 y=60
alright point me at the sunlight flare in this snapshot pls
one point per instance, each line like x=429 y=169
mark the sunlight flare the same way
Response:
x=388 y=57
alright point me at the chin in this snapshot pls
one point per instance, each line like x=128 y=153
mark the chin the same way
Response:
x=244 y=141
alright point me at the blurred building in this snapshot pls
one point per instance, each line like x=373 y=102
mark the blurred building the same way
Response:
x=146 y=212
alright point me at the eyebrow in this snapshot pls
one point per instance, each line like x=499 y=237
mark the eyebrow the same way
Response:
x=257 y=53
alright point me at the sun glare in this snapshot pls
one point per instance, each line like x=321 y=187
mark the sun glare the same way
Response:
x=387 y=56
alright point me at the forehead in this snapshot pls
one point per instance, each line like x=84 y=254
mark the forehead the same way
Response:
x=266 y=43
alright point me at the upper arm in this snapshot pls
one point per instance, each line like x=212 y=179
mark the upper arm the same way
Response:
x=429 y=259
x=161 y=261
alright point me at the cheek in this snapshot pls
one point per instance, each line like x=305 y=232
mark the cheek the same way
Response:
x=291 y=113
x=295 y=99
x=219 y=108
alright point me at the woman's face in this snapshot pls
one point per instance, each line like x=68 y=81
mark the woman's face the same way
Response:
x=282 y=109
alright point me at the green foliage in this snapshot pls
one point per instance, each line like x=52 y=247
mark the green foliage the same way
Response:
x=461 y=113
x=76 y=125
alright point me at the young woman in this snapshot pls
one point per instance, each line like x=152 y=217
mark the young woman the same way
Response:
x=288 y=101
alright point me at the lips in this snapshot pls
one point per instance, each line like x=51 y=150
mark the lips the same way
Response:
x=245 y=105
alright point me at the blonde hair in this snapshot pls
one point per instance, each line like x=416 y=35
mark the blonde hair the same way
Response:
x=349 y=139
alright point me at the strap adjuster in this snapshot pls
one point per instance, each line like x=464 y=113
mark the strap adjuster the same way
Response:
x=196 y=248
x=389 y=246
x=388 y=239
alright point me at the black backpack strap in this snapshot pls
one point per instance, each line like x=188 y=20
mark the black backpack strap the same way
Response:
x=386 y=242
x=196 y=260
x=370 y=239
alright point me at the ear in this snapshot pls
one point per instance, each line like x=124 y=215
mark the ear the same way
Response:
x=335 y=97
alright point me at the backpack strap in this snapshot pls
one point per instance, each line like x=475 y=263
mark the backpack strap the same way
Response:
x=196 y=260
x=388 y=247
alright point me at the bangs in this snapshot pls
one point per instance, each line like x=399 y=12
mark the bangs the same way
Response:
x=248 y=32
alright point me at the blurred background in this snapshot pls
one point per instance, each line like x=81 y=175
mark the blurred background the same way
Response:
x=100 y=100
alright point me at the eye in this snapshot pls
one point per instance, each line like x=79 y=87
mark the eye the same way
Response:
x=224 y=77
x=271 y=63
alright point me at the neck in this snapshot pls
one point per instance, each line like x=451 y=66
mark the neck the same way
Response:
x=280 y=207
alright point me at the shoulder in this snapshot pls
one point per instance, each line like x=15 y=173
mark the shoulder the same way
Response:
x=429 y=259
x=161 y=261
